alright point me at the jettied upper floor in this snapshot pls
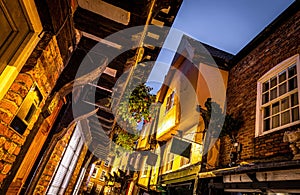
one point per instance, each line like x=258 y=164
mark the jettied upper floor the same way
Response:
x=98 y=41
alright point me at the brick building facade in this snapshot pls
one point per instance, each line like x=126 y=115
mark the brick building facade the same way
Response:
x=260 y=81
x=242 y=85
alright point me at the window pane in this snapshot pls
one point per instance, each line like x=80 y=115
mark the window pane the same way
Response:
x=282 y=76
x=267 y=111
x=275 y=108
x=275 y=121
x=273 y=94
x=285 y=117
x=295 y=114
x=265 y=98
x=267 y=124
x=294 y=99
x=273 y=81
x=292 y=71
x=285 y=104
x=292 y=83
x=266 y=86
x=282 y=88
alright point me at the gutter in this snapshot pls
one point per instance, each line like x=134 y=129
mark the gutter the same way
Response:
x=251 y=168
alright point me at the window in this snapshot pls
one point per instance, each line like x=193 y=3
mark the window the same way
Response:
x=170 y=160
x=170 y=101
x=103 y=173
x=27 y=110
x=107 y=162
x=60 y=179
x=146 y=167
x=95 y=172
x=277 y=97
x=20 y=29
x=169 y=157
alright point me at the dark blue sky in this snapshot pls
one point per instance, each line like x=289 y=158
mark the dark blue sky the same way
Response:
x=228 y=25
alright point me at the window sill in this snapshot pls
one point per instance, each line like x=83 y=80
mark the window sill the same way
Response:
x=278 y=128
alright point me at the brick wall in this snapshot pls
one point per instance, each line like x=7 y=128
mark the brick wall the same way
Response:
x=46 y=66
x=242 y=90
x=53 y=162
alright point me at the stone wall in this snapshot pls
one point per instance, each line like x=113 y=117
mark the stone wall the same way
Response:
x=45 y=72
x=283 y=43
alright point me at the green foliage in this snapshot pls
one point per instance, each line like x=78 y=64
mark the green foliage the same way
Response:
x=126 y=140
x=135 y=107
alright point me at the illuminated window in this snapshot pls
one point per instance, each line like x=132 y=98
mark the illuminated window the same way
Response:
x=107 y=162
x=103 y=173
x=277 y=97
x=145 y=168
x=170 y=161
x=169 y=157
x=27 y=110
x=63 y=174
x=95 y=172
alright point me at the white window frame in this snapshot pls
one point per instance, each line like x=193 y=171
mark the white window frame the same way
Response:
x=63 y=173
x=107 y=162
x=103 y=173
x=95 y=172
x=145 y=169
x=273 y=72
x=168 y=158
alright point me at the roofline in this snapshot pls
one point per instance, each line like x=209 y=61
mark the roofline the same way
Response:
x=264 y=34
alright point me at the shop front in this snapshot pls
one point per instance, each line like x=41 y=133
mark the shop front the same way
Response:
x=182 y=181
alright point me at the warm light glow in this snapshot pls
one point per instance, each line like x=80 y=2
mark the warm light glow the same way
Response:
x=166 y=125
x=6 y=79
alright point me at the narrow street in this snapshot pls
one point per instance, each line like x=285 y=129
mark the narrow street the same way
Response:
x=89 y=104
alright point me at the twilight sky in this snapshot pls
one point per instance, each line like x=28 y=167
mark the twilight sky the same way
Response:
x=228 y=25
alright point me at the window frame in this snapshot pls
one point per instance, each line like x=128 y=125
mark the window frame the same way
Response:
x=107 y=162
x=8 y=72
x=170 y=102
x=145 y=168
x=102 y=175
x=284 y=65
x=66 y=167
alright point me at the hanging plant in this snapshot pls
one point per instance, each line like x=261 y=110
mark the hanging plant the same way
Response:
x=124 y=141
x=135 y=107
